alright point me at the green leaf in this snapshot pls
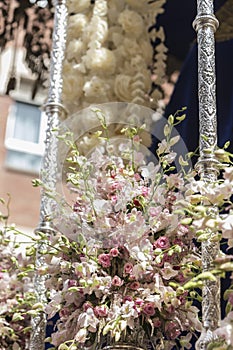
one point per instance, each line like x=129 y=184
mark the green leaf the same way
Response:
x=2 y=201
x=32 y=313
x=166 y=130
x=17 y=317
x=227 y=144
x=204 y=137
x=182 y=161
x=181 y=117
x=27 y=329
x=201 y=209
x=189 y=155
x=73 y=289
x=206 y=275
x=173 y=285
x=228 y=266
x=37 y=183
x=38 y=306
x=171 y=168
x=171 y=119
x=227 y=293
x=63 y=347
x=203 y=237
x=193 y=284
x=186 y=221
x=228 y=308
x=217 y=344
x=174 y=140
x=30 y=251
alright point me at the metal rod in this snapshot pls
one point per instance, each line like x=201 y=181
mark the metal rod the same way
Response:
x=205 y=25
x=54 y=111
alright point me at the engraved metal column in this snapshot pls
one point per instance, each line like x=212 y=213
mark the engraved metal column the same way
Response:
x=54 y=111
x=205 y=25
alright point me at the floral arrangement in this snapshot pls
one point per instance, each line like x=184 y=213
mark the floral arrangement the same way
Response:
x=113 y=48
x=123 y=265
x=17 y=299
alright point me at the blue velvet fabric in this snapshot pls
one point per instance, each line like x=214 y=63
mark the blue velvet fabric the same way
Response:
x=180 y=39
x=186 y=94
x=177 y=21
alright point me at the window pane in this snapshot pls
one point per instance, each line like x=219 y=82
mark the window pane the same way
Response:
x=27 y=122
x=23 y=161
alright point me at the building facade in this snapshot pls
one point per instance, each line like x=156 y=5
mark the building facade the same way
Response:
x=22 y=133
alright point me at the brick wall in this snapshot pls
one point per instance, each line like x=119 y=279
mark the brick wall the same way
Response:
x=25 y=200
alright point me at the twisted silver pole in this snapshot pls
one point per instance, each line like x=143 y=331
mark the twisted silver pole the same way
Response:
x=54 y=111
x=205 y=25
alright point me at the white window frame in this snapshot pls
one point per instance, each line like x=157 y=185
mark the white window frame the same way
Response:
x=14 y=144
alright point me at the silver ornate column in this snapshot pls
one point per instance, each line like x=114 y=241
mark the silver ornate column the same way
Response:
x=205 y=25
x=54 y=111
